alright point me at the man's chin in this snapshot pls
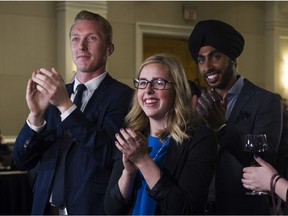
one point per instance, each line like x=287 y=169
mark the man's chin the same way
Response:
x=84 y=70
x=212 y=84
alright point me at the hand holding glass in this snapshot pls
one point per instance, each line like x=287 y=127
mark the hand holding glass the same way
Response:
x=255 y=143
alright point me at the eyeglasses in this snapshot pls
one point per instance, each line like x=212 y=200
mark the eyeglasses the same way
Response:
x=159 y=84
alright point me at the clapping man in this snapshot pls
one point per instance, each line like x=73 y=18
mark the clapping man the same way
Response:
x=233 y=107
x=73 y=144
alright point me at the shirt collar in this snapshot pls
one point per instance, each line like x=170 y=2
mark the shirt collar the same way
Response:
x=92 y=84
x=236 y=88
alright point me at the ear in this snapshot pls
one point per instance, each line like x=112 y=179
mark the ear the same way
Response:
x=110 y=50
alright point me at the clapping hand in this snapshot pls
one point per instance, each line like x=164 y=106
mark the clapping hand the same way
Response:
x=45 y=87
x=212 y=108
x=134 y=147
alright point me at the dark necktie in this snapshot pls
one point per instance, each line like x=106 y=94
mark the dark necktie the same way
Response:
x=78 y=97
x=58 y=198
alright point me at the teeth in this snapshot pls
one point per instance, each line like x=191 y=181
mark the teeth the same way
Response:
x=150 y=101
x=212 y=76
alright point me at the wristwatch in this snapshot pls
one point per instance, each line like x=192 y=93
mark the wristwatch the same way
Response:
x=221 y=130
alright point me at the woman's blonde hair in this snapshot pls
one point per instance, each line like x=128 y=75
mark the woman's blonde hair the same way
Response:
x=180 y=117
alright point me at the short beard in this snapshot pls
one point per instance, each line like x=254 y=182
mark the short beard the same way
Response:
x=228 y=74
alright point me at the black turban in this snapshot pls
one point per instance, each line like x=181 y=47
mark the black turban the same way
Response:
x=217 y=34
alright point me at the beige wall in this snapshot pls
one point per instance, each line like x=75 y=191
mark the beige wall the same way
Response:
x=28 y=41
x=247 y=17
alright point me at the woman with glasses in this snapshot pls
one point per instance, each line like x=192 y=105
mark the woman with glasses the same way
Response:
x=168 y=156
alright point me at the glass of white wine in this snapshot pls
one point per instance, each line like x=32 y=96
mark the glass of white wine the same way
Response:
x=255 y=143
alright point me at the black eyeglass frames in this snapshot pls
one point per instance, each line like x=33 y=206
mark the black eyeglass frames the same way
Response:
x=158 y=84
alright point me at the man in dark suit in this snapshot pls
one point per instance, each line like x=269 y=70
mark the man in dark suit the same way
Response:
x=73 y=145
x=233 y=107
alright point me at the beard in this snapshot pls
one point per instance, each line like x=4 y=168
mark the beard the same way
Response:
x=226 y=76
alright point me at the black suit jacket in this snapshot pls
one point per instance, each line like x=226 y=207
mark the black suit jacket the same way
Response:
x=184 y=182
x=90 y=158
x=255 y=111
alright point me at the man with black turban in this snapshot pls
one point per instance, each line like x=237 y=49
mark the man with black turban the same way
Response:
x=233 y=106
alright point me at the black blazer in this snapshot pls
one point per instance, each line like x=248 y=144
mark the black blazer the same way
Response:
x=90 y=158
x=185 y=179
x=255 y=111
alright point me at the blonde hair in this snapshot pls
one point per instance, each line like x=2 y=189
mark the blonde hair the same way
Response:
x=180 y=116
x=106 y=26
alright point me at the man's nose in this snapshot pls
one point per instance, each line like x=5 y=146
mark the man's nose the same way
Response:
x=207 y=65
x=83 y=45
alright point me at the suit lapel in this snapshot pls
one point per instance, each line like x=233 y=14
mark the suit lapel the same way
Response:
x=244 y=97
x=99 y=93
x=70 y=88
x=175 y=157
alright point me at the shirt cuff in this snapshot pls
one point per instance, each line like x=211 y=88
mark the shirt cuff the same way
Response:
x=68 y=112
x=36 y=128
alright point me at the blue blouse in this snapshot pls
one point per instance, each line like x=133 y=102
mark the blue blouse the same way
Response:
x=145 y=205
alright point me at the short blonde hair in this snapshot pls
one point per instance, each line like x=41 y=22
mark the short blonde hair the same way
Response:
x=87 y=15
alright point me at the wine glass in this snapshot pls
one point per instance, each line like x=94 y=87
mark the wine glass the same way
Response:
x=255 y=143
